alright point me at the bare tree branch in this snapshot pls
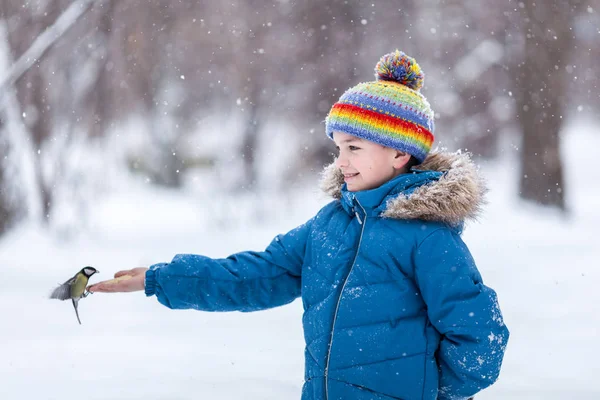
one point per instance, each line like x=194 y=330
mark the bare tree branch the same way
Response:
x=43 y=42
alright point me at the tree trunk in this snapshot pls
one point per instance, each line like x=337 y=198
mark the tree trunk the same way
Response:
x=250 y=140
x=40 y=132
x=32 y=88
x=99 y=96
x=7 y=210
x=541 y=84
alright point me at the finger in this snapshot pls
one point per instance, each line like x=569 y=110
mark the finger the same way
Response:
x=124 y=283
x=102 y=288
x=95 y=288
x=121 y=273
x=92 y=288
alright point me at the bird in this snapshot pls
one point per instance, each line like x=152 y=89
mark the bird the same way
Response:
x=74 y=288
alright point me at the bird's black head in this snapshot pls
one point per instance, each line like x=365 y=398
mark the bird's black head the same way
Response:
x=89 y=271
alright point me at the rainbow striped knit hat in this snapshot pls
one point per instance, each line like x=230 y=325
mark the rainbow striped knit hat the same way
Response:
x=390 y=110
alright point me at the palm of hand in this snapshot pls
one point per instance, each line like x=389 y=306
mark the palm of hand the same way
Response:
x=125 y=281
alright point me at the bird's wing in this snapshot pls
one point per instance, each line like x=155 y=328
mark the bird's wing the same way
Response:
x=63 y=292
x=70 y=281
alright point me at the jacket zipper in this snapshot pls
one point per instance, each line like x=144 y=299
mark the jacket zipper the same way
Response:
x=363 y=223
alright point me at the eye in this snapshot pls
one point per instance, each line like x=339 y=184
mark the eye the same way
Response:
x=353 y=148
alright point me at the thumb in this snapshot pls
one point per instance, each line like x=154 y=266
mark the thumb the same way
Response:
x=121 y=273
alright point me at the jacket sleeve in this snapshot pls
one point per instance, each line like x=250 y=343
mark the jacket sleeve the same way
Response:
x=464 y=311
x=246 y=281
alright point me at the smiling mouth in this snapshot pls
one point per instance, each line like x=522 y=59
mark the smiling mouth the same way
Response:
x=348 y=176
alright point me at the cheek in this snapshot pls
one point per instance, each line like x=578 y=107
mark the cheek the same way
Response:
x=379 y=168
x=365 y=166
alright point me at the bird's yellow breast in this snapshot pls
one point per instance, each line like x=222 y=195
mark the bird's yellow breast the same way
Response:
x=78 y=287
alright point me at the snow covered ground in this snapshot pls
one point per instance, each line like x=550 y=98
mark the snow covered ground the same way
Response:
x=545 y=268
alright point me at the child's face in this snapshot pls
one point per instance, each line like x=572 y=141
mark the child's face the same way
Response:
x=365 y=164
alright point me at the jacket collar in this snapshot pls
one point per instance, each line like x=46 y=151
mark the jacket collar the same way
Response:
x=446 y=187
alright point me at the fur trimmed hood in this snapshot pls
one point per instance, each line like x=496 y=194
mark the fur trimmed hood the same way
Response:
x=458 y=195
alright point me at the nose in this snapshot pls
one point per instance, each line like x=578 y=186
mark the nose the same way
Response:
x=341 y=161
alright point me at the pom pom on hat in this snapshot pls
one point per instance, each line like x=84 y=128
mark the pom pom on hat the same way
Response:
x=401 y=68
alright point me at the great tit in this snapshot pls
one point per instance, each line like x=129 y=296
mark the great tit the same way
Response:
x=74 y=288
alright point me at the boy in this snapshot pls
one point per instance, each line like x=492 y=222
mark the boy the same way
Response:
x=394 y=307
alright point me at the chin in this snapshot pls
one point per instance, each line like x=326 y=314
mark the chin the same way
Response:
x=355 y=188
x=362 y=186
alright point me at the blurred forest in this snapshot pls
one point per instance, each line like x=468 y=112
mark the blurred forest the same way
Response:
x=214 y=85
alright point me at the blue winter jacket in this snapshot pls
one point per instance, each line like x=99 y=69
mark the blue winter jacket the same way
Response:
x=394 y=307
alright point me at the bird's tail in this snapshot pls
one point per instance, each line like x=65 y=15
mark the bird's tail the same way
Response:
x=76 y=312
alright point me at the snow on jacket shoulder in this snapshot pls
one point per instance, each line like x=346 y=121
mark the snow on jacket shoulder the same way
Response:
x=394 y=307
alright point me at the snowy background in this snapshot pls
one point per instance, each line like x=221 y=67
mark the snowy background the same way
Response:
x=544 y=266
x=134 y=130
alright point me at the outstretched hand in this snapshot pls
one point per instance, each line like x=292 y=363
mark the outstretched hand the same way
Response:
x=125 y=281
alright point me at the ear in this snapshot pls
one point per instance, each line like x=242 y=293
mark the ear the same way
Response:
x=400 y=159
